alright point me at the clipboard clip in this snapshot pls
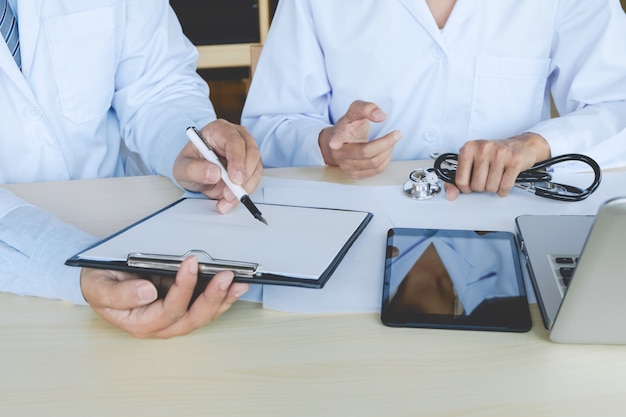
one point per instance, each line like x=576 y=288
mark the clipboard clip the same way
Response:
x=206 y=264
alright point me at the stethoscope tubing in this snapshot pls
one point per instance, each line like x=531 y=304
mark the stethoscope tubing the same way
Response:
x=536 y=174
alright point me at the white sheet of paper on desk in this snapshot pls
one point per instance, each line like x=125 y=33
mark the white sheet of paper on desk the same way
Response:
x=356 y=284
x=299 y=242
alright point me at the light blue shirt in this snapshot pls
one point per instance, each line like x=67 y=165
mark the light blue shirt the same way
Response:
x=488 y=74
x=102 y=81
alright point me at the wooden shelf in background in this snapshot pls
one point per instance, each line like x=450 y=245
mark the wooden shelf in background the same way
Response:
x=234 y=55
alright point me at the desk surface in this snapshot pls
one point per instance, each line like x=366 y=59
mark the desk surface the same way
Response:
x=61 y=359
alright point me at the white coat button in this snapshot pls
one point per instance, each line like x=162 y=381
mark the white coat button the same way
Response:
x=437 y=52
x=33 y=113
x=431 y=134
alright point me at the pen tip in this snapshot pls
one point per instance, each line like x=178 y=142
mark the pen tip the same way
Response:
x=261 y=219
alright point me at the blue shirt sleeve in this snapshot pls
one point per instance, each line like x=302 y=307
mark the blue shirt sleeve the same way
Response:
x=34 y=246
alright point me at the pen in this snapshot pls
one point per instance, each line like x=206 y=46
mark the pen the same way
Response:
x=205 y=149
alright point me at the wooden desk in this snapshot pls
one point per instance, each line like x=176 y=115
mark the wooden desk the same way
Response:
x=58 y=359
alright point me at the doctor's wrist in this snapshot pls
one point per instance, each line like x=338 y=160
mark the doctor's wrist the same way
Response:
x=533 y=144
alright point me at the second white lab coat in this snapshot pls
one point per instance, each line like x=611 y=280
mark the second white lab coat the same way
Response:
x=487 y=75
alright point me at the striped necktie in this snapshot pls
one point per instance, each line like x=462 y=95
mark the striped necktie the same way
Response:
x=8 y=28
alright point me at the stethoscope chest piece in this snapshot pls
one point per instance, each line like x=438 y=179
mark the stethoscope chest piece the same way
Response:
x=422 y=184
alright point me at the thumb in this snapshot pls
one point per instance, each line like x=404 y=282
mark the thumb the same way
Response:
x=132 y=293
x=102 y=289
x=354 y=126
x=364 y=110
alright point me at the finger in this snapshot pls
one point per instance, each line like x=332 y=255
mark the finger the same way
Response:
x=464 y=172
x=165 y=318
x=218 y=297
x=493 y=182
x=359 y=169
x=176 y=302
x=229 y=140
x=244 y=163
x=473 y=166
x=254 y=168
x=224 y=206
x=354 y=125
x=219 y=191
x=452 y=192
x=228 y=200
x=366 y=152
x=515 y=163
x=341 y=135
x=361 y=160
x=220 y=294
x=109 y=289
x=234 y=293
x=480 y=172
x=203 y=172
x=336 y=142
x=359 y=110
x=194 y=172
x=509 y=177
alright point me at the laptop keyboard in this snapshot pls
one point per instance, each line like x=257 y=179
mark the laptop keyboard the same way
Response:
x=563 y=267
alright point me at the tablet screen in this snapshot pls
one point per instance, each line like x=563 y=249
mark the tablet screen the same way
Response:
x=455 y=279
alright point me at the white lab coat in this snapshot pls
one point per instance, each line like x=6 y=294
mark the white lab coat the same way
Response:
x=93 y=73
x=487 y=75
x=98 y=76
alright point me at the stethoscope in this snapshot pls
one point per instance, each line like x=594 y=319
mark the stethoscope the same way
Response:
x=425 y=183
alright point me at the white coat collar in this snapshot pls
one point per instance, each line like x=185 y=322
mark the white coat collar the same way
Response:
x=461 y=12
x=29 y=23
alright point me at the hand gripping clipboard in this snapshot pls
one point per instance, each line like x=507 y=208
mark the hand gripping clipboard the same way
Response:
x=301 y=247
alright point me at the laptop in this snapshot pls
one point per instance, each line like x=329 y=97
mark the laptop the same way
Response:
x=577 y=265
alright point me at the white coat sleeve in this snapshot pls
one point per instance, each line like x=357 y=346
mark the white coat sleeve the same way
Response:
x=158 y=92
x=286 y=122
x=588 y=74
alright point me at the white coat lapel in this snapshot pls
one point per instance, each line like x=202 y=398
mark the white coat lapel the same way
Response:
x=463 y=10
x=6 y=59
x=28 y=23
x=29 y=15
x=420 y=11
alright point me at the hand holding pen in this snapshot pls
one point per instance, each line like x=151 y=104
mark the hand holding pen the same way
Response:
x=207 y=152
x=240 y=153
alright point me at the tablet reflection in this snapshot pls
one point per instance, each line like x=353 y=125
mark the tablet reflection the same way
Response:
x=438 y=277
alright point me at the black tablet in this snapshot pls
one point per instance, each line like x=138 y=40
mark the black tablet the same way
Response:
x=454 y=279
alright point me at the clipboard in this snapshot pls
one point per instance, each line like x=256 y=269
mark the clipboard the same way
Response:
x=301 y=246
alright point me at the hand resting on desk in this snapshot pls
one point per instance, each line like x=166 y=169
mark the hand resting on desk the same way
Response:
x=131 y=303
x=493 y=165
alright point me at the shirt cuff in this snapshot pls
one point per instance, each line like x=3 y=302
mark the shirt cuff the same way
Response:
x=170 y=143
x=41 y=243
x=305 y=136
x=9 y=201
